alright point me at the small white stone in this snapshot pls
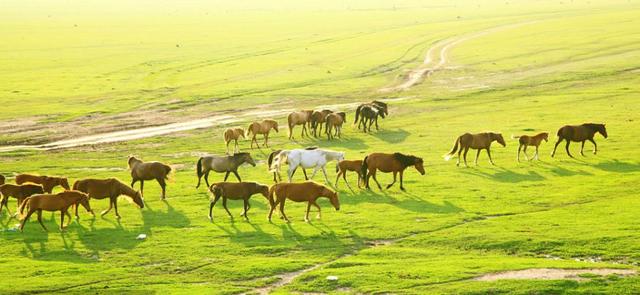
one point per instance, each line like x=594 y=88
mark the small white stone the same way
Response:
x=332 y=278
x=141 y=237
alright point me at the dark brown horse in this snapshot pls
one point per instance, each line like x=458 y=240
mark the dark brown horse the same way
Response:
x=47 y=182
x=526 y=140
x=317 y=120
x=301 y=192
x=478 y=142
x=222 y=164
x=389 y=163
x=110 y=188
x=579 y=133
x=236 y=191
x=53 y=202
x=20 y=192
x=141 y=171
x=368 y=114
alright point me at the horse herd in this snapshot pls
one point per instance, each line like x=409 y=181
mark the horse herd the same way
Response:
x=34 y=192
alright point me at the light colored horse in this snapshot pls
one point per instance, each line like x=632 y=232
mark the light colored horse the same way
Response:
x=141 y=171
x=299 y=118
x=316 y=159
x=263 y=127
x=233 y=134
x=335 y=121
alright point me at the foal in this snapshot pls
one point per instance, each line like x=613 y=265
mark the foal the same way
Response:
x=233 y=134
x=20 y=192
x=535 y=140
x=53 y=202
x=301 y=192
x=348 y=165
x=141 y=171
x=478 y=142
x=47 y=182
x=236 y=191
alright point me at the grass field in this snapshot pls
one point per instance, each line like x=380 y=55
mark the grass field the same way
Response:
x=521 y=67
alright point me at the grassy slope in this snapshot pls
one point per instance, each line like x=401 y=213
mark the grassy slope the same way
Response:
x=581 y=68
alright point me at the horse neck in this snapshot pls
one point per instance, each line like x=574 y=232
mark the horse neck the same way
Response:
x=331 y=155
x=124 y=189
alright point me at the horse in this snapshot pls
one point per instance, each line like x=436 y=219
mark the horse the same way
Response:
x=478 y=142
x=368 y=114
x=141 y=171
x=236 y=191
x=317 y=120
x=526 y=140
x=316 y=158
x=20 y=192
x=47 y=182
x=2 y=179
x=276 y=176
x=110 y=188
x=301 y=192
x=299 y=118
x=233 y=134
x=389 y=163
x=335 y=121
x=53 y=202
x=263 y=127
x=348 y=165
x=222 y=164
x=580 y=133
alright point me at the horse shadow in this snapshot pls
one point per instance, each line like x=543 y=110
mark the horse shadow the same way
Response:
x=347 y=142
x=562 y=171
x=391 y=136
x=618 y=166
x=506 y=175
x=408 y=202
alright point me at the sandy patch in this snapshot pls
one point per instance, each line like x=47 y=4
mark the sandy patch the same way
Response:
x=553 y=274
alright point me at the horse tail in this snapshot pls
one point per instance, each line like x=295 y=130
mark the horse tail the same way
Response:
x=199 y=171
x=357 y=114
x=326 y=126
x=249 y=130
x=449 y=155
x=272 y=191
x=23 y=206
x=289 y=123
x=365 y=167
x=76 y=185
x=277 y=161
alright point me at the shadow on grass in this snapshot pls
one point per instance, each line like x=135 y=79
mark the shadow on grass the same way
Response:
x=618 y=166
x=506 y=175
x=406 y=201
x=391 y=136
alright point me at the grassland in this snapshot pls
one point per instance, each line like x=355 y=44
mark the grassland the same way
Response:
x=551 y=64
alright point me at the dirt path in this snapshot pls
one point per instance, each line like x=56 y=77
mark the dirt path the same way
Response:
x=554 y=274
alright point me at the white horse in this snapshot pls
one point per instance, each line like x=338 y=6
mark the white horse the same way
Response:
x=316 y=159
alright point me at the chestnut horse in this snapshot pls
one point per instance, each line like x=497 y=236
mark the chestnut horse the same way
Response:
x=579 y=133
x=348 y=165
x=20 y=192
x=222 y=164
x=233 y=134
x=301 y=192
x=47 y=182
x=263 y=127
x=335 y=121
x=317 y=120
x=107 y=188
x=53 y=202
x=299 y=118
x=141 y=171
x=478 y=142
x=236 y=191
x=526 y=140
x=394 y=163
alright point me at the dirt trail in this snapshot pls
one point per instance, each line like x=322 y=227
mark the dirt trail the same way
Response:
x=554 y=274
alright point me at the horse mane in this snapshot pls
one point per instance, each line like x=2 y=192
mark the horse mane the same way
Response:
x=133 y=159
x=405 y=160
x=238 y=155
x=311 y=148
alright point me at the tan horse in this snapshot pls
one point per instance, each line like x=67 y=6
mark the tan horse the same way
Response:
x=299 y=118
x=53 y=202
x=478 y=142
x=236 y=191
x=107 y=188
x=301 y=192
x=233 y=134
x=222 y=164
x=317 y=120
x=263 y=127
x=20 y=192
x=141 y=171
x=579 y=133
x=349 y=165
x=394 y=163
x=47 y=182
x=526 y=140
x=335 y=121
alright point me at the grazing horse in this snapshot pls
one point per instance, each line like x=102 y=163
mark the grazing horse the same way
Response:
x=263 y=127
x=301 y=192
x=299 y=118
x=535 y=140
x=236 y=191
x=222 y=164
x=233 y=134
x=141 y=171
x=53 y=202
x=20 y=192
x=368 y=114
x=316 y=158
x=349 y=165
x=317 y=120
x=579 y=133
x=478 y=142
x=107 y=188
x=47 y=182
x=389 y=163
x=335 y=121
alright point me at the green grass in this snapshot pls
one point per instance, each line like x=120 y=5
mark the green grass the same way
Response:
x=568 y=63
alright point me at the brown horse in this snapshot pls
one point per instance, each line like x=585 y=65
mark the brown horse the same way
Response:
x=107 y=188
x=236 y=191
x=335 y=121
x=389 y=163
x=53 y=202
x=368 y=114
x=233 y=134
x=20 y=192
x=263 y=127
x=478 y=142
x=317 y=120
x=526 y=140
x=579 y=133
x=47 y=182
x=301 y=192
x=222 y=164
x=141 y=171
x=348 y=165
x=299 y=118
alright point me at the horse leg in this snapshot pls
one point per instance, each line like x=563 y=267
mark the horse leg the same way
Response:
x=163 y=185
x=224 y=204
x=306 y=216
x=26 y=218
x=466 y=150
x=337 y=178
x=326 y=178
x=319 y=211
x=213 y=203
x=373 y=174
x=315 y=170
x=458 y=161
x=536 y=155
x=228 y=146
x=236 y=148
x=246 y=208
x=376 y=120
x=518 y=157
x=401 y=177
x=525 y=153
x=226 y=175
x=582 y=149
x=395 y=174
x=305 y=174
x=115 y=207
x=595 y=146
x=40 y=220
x=477 y=156
x=567 y=148
x=489 y=154
x=133 y=182
x=266 y=140
x=206 y=178
x=553 y=153
x=282 y=210
x=142 y=188
x=237 y=176
x=62 y=219
x=110 y=206
x=291 y=171
x=273 y=208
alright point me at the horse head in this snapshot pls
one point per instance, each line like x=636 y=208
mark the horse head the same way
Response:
x=602 y=130
x=419 y=164
x=132 y=161
x=498 y=137
x=545 y=136
x=263 y=190
x=84 y=201
x=274 y=125
x=246 y=157
x=333 y=198
x=64 y=182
